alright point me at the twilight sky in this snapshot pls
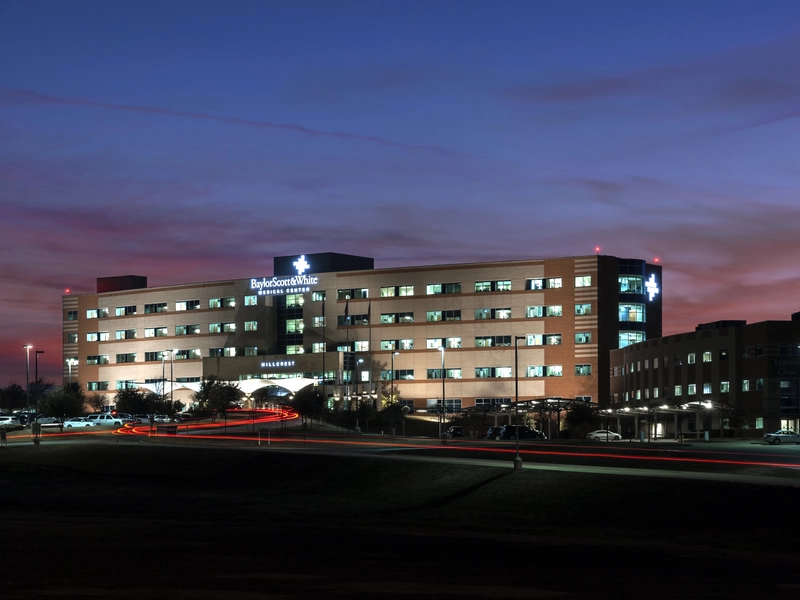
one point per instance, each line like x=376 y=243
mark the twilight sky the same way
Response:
x=193 y=141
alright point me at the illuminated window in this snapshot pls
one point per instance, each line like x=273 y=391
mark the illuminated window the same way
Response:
x=295 y=349
x=251 y=300
x=691 y=358
x=554 y=311
x=583 y=281
x=388 y=292
x=388 y=344
x=155 y=332
x=583 y=337
x=724 y=386
x=443 y=288
x=629 y=284
x=582 y=370
x=745 y=385
x=230 y=352
x=537 y=371
x=253 y=326
x=295 y=326
x=294 y=300
x=317 y=296
x=97 y=359
x=91 y=313
x=631 y=313
x=318 y=347
x=361 y=346
x=678 y=391
x=583 y=309
x=535 y=339
x=706 y=357
x=407 y=344
x=72 y=338
x=448 y=373
x=123 y=311
x=691 y=389
x=553 y=371
x=487 y=341
x=533 y=312
x=540 y=283
x=493 y=286
x=96 y=386
x=626 y=338
x=187 y=305
x=552 y=339
x=706 y=388
x=319 y=321
x=493 y=372
x=251 y=350
x=228 y=327
x=157 y=307
x=215 y=328
x=434 y=343
x=492 y=313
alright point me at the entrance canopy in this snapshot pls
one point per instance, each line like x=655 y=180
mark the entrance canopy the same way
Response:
x=248 y=386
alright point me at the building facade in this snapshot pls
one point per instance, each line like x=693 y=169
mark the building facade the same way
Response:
x=723 y=377
x=453 y=331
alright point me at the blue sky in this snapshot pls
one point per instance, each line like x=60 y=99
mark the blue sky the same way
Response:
x=193 y=141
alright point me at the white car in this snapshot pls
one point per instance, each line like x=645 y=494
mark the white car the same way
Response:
x=104 y=419
x=603 y=435
x=784 y=436
x=7 y=422
x=78 y=422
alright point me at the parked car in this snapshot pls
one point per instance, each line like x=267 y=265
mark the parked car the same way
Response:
x=8 y=422
x=161 y=418
x=493 y=433
x=784 y=436
x=144 y=419
x=104 y=419
x=454 y=431
x=126 y=417
x=509 y=432
x=78 y=422
x=603 y=435
x=185 y=416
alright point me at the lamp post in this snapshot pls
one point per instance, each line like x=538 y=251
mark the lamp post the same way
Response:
x=441 y=412
x=391 y=390
x=36 y=376
x=517 y=457
x=71 y=362
x=171 y=379
x=358 y=395
x=27 y=375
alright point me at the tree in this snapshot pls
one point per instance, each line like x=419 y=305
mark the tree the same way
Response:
x=309 y=402
x=739 y=420
x=135 y=402
x=12 y=397
x=66 y=401
x=39 y=389
x=97 y=401
x=216 y=396
x=580 y=415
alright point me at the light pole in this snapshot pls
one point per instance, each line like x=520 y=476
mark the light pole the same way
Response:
x=441 y=412
x=71 y=362
x=171 y=379
x=27 y=375
x=358 y=396
x=517 y=458
x=36 y=376
x=391 y=390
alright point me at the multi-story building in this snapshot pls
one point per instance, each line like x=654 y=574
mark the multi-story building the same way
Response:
x=722 y=377
x=447 y=330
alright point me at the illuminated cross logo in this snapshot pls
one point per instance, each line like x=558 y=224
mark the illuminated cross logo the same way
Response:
x=652 y=287
x=301 y=264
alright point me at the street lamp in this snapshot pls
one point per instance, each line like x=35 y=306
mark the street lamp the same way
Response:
x=71 y=362
x=358 y=395
x=517 y=458
x=171 y=379
x=36 y=377
x=27 y=375
x=441 y=413
x=391 y=390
